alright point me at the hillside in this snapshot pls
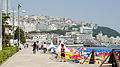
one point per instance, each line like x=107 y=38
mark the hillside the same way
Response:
x=60 y=32
x=106 y=31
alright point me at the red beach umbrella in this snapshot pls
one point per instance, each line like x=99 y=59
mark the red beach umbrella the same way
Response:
x=101 y=54
x=73 y=50
x=107 y=54
x=76 y=57
x=83 y=49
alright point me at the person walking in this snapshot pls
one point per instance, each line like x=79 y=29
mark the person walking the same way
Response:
x=34 y=48
x=37 y=45
x=62 y=53
x=44 y=47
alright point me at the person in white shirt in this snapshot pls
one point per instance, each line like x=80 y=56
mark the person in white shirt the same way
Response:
x=44 y=47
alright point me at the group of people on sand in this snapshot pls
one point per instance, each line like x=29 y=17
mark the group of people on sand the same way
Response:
x=44 y=48
x=36 y=47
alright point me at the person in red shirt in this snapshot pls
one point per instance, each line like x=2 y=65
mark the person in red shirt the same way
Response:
x=62 y=53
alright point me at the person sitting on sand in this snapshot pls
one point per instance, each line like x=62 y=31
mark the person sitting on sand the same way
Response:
x=62 y=53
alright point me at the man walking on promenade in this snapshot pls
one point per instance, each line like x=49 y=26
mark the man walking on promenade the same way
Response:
x=62 y=53
x=34 y=48
x=37 y=45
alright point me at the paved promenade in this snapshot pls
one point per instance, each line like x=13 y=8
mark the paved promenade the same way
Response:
x=25 y=58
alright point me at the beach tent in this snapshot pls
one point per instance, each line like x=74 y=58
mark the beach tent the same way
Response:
x=51 y=46
x=59 y=48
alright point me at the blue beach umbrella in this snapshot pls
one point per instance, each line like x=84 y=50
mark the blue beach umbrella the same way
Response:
x=99 y=50
x=87 y=50
x=79 y=48
x=117 y=50
x=52 y=48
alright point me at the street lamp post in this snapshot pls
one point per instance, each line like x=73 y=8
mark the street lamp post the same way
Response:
x=0 y=25
x=13 y=25
x=7 y=5
x=19 y=5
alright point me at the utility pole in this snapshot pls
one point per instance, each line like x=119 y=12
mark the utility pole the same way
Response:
x=19 y=5
x=0 y=25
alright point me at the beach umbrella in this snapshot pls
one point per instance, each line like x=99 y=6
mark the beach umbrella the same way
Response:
x=101 y=54
x=109 y=50
x=83 y=49
x=76 y=57
x=107 y=54
x=79 y=48
x=51 y=46
x=99 y=50
x=117 y=50
x=87 y=50
x=79 y=57
x=73 y=50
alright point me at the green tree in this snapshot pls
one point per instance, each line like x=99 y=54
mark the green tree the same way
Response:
x=22 y=36
x=106 y=31
x=6 y=37
x=60 y=32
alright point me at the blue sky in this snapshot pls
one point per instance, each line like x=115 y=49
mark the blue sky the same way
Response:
x=102 y=12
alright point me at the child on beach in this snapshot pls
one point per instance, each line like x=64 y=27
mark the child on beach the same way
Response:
x=62 y=53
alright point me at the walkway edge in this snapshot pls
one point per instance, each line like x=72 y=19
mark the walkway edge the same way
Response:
x=9 y=59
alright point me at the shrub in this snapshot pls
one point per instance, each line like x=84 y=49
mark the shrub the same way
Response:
x=7 y=52
x=1 y=56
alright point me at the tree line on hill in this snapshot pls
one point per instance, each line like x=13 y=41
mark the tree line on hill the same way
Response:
x=105 y=30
